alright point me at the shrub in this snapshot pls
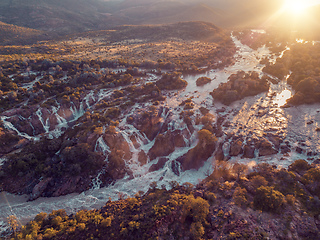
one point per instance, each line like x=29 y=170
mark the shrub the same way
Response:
x=240 y=197
x=195 y=211
x=50 y=233
x=210 y=197
x=290 y=199
x=268 y=199
x=206 y=137
x=239 y=169
x=299 y=166
x=258 y=181
x=40 y=217
x=196 y=208
x=312 y=175
x=171 y=81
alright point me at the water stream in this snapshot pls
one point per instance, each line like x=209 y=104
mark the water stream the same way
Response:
x=242 y=115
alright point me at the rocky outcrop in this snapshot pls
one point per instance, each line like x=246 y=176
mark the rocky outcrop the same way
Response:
x=9 y=141
x=149 y=122
x=142 y=157
x=39 y=189
x=171 y=81
x=196 y=156
x=236 y=148
x=166 y=144
x=69 y=185
x=160 y=164
x=265 y=147
x=240 y=85
x=118 y=143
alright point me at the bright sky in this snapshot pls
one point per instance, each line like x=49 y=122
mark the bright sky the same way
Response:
x=298 y=6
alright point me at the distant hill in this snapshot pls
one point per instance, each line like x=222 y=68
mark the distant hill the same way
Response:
x=203 y=31
x=11 y=34
x=198 y=12
x=73 y=16
x=56 y=16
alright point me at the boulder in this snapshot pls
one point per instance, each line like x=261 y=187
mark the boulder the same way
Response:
x=235 y=148
x=142 y=157
x=248 y=151
x=175 y=166
x=160 y=164
x=219 y=155
x=38 y=189
x=67 y=185
x=265 y=147
x=118 y=142
x=275 y=140
x=195 y=157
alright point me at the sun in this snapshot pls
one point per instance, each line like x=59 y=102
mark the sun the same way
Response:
x=296 y=6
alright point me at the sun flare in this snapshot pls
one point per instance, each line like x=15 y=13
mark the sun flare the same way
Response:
x=296 y=6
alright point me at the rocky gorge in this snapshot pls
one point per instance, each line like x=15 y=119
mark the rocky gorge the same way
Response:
x=121 y=129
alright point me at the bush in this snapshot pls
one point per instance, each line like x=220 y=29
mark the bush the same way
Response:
x=210 y=197
x=268 y=199
x=240 y=197
x=258 y=181
x=299 y=166
x=195 y=211
x=290 y=199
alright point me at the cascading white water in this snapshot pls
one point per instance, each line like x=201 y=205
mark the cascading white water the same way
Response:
x=239 y=113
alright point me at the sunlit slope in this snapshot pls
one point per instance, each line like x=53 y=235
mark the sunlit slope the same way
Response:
x=52 y=17
x=184 y=30
x=79 y=16
x=11 y=34
x=229 y=13
x=199 y=12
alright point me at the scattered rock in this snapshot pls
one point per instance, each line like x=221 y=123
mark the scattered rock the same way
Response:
x=310 y=122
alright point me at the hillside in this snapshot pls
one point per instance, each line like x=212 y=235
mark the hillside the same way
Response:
x=72 y=16
x=201 y=31
x=54 y=16
x=11 y=34
x=198 y=12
